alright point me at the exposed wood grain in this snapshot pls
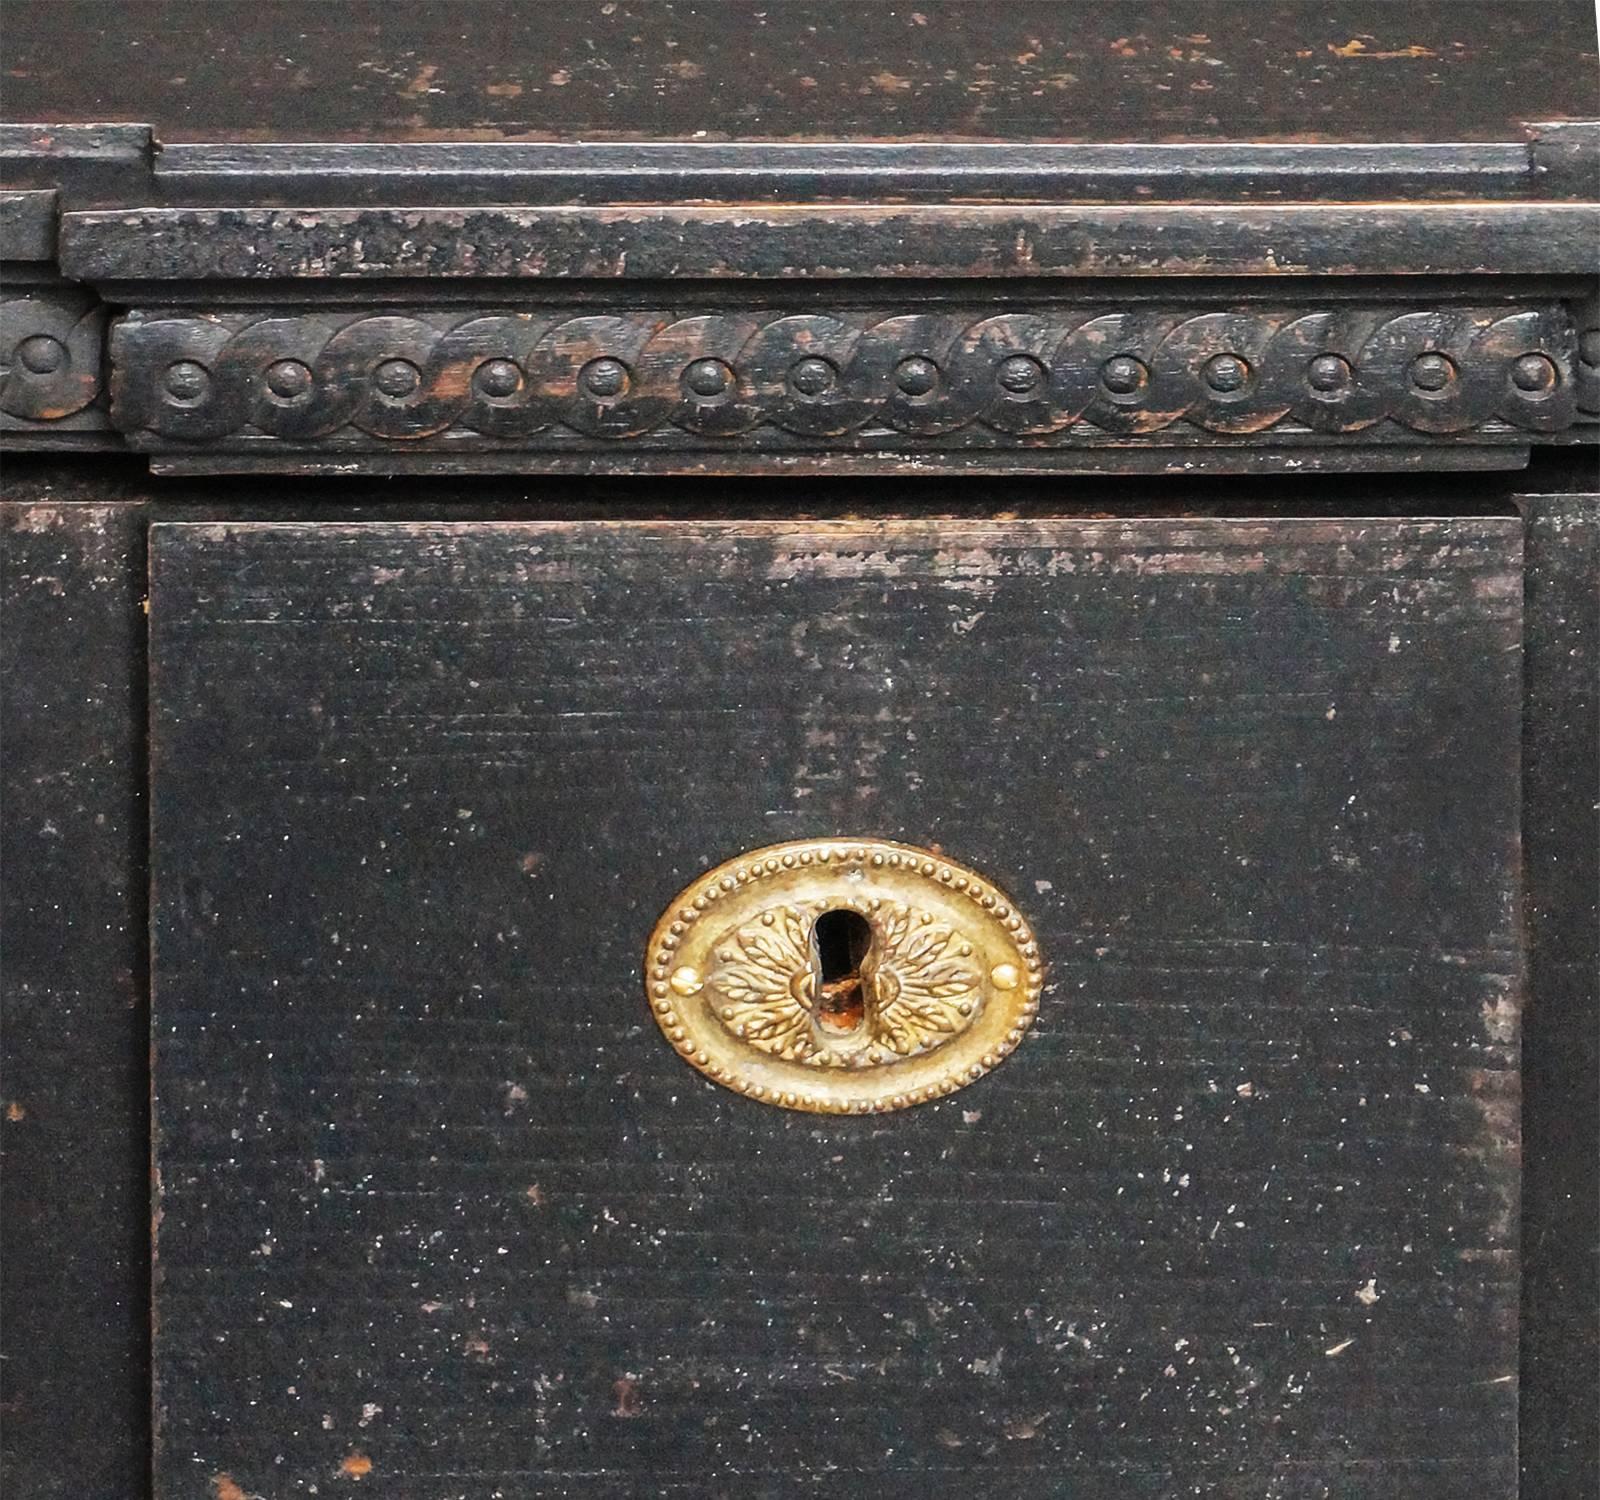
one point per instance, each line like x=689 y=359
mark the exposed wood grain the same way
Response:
x=440 y=1207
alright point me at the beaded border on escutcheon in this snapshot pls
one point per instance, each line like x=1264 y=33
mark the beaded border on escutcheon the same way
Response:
x=700 y=898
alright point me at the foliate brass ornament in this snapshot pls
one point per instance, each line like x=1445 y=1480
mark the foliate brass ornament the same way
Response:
x=946 y=987
x=923 y=985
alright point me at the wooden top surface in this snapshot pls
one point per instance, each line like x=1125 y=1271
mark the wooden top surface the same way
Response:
x=1029 y=70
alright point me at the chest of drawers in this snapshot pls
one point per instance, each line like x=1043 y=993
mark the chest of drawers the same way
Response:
x=792 y=751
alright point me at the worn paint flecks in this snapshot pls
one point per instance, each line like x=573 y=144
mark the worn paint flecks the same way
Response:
x=693 y=1251
x=1357 y=47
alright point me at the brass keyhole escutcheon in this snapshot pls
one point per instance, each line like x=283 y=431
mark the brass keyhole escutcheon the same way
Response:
x=843 y=976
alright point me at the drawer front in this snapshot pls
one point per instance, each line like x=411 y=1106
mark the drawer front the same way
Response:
x=440 y=1207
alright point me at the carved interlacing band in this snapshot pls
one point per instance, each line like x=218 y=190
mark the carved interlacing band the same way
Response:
x=1024 y=377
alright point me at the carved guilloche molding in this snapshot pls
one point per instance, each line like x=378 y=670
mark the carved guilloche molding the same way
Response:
x=52 y=357
x=845 y=377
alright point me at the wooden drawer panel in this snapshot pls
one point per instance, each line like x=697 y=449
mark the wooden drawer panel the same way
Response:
x=439 y=1207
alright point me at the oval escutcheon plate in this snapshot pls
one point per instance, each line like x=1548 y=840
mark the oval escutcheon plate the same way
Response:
x=846 y=976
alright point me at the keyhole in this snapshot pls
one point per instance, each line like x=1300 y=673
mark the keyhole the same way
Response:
x=839 y=944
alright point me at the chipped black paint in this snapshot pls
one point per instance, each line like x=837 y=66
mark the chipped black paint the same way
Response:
x=1029 y=70
x=74 y=1029
x=781 y=243
x=1561 y=1222
x=1240 y=1216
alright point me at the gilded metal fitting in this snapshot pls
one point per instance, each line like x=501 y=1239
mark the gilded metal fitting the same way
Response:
x=844 y=976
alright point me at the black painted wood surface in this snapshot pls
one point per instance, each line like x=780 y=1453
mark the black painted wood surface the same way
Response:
x=1561 y=1220
x=440 y=1209
x=924 y=378
x=244 y=70
x=395 y=159
x=74 y=1029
